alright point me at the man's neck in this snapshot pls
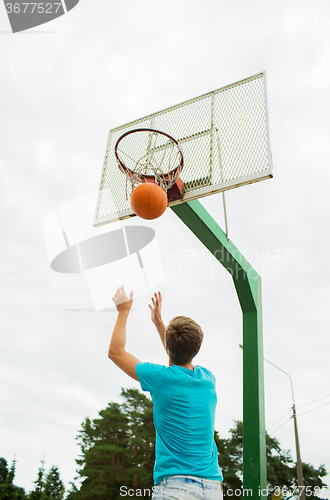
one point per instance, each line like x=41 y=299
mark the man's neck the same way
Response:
x=190 y=366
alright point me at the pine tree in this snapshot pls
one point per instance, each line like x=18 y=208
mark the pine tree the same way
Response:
x=281 y=470
x=117 y=449
x=7 y=488
x=139 y=411
x=3 y=470
x=37 y=493
x=103 y=461
x=229 y=460
x=8 y=491
x=72 y=492
x=312 y=480
x=54 y=487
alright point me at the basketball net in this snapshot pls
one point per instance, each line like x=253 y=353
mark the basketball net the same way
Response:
x=134 y=180
x=147 y=155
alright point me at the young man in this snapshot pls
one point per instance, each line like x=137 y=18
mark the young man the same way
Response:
x=184 y=400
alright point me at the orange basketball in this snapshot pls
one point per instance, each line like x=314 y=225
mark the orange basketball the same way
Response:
x=149 y=201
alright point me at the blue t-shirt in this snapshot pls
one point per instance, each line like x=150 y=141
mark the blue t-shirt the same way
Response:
x=184 y=412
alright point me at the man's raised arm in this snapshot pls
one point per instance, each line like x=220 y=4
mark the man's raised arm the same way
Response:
x=117 y=349
x=156 y=316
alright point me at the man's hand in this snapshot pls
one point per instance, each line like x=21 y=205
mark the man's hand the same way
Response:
x=123 y=303
x=156 y=308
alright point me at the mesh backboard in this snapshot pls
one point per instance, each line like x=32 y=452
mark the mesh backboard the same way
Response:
x=225 y=143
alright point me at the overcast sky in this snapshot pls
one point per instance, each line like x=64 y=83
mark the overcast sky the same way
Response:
x=62 y=87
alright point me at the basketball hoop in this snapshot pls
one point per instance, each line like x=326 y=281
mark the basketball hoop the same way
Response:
x=148 y=155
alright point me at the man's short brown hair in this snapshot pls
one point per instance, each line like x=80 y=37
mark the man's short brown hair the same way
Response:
x=183 y=339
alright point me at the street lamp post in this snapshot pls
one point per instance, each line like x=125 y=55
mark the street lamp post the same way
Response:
x=301 y=486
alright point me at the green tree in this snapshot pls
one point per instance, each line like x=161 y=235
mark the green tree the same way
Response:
x=279 y=463
x=37 y=493
x=3 y=470
x=312 y=480
x=103 y=459
x=117 y=449
x=139 y=411
x=230 y=462
x=7 y=488
x=54 y=487
x=48 y=486
x=72 y=492
x=8 y=491
x=281 y=470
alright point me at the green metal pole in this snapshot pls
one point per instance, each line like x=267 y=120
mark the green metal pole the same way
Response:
x=248 y=287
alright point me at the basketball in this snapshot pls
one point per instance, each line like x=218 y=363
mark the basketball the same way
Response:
x=149 y=201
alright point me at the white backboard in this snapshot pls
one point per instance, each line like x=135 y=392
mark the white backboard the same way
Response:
x=224 y=138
